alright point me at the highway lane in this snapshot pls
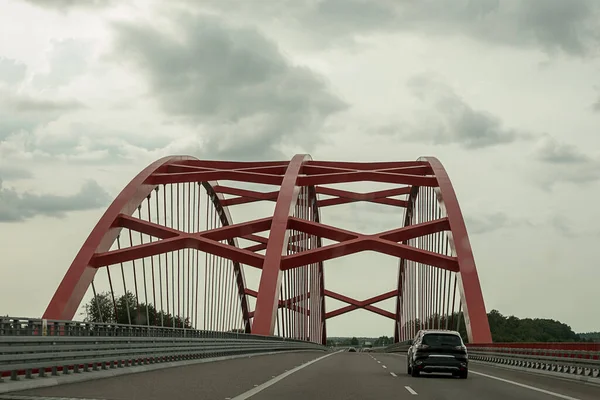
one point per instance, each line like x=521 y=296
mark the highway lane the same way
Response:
x=349 y=376
x=490 y=383
x=215 y=380
x=341 y=376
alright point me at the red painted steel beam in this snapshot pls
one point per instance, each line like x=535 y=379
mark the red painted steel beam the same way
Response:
x=263 y=244
x=476 y=321
x=187 y=241
x=231 y=164
x=207 y=241
x=324 y=253
x=369 y=196
x=321 y=230
x=364 y=244
x=148 y=228
x=236 y=230
x=255 y=238
x=79 y=276
x=269 y=169
x=417 y=230
x=366 y=176
x=228 y=175
x=347 y=309
x=360 y=166
x=365 y=304
x=265 y=315
x=339 y=200
x=245 y=196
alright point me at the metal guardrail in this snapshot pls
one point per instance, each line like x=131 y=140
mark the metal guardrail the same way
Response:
x=32 y=346
x=16 y=326
x=553 y=358
x=577 y=362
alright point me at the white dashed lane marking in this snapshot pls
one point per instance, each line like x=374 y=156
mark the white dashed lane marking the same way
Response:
x=410 y=390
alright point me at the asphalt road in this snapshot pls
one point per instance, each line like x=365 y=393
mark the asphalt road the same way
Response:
x=299 y=376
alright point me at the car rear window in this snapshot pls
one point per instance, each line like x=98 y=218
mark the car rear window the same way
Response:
x=441 y=339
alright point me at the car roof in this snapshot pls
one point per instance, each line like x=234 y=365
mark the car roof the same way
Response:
x=448 y=332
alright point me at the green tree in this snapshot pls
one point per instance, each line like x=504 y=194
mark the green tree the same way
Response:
x=354 y=341
x=100 y=309
x=126 y=310
x=590 y=336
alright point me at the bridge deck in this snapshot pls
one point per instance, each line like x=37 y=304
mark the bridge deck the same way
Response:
x=339 y=376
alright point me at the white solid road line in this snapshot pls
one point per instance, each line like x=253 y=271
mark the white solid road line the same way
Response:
x=560 y=396
x=260 y=388
x=410 y=390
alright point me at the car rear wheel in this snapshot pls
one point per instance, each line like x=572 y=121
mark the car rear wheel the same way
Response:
x=463 y=374
x=414 y=372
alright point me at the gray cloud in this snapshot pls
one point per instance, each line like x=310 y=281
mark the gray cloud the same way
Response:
x=569 y=26
x=89 y=144
x=24 y=113
x=9 y=173
x=596 y=106
x=572 y=27
x=571 y=229
x=551 y=151
x=68 y=59
x=18 y=207
x=565 y=163
x=11 y=71
x=455 y=121
x=562 y=226
x=231 y=83
x=488 y=223
x=66 y=4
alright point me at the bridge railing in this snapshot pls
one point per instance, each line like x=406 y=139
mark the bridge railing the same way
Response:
x=17 y=326
x=34 y=346
x=570 y=358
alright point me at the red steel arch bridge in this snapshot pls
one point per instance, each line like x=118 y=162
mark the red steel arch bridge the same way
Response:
x=169 y=240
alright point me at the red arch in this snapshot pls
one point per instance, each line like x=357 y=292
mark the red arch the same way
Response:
x=70 y=292
x=267 y=301
x=476 y=320
x=473 y=305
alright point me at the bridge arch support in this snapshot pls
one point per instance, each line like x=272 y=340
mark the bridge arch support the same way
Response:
x=437 y=277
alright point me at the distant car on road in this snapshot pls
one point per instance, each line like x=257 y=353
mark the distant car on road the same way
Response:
x=351 y=350
x=438 y=351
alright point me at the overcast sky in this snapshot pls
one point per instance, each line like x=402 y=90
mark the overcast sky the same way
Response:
x=505 y=93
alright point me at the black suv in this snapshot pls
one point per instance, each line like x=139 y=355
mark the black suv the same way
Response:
x=438 y=351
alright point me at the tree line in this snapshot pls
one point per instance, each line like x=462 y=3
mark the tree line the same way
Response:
x=126 y=309
x=507 y=328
